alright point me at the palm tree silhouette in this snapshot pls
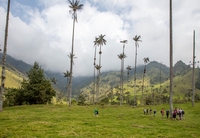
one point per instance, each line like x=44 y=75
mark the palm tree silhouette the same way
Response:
x=100 y=41
x=121 y=57
x=74 y=6
x=146 y=60
x=136 y=39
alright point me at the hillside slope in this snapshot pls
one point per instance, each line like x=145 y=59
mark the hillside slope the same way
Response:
x=13 y=79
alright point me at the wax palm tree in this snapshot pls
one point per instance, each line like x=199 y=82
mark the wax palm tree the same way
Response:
x=121 y=57
x=74 y=6
x=136 y=39
x=95 y=45
x=122 y=67
x=3 y=77
x=146 y=60
x=171 y=59
x=124 y=42
x=100 y=42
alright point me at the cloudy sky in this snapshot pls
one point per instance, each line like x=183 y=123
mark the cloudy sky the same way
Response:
x=41 y=30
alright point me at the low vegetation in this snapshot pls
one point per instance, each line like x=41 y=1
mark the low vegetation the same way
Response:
x=61 y=121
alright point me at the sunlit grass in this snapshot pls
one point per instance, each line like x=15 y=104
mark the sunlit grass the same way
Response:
x=78 y=121
x=13 y=79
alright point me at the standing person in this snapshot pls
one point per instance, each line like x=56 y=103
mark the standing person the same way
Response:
x=96 y=112
x=147 y=111
x=174 y=113
x=180 y=114
x=154 y=112
x=167 y=113
x=183 y=112
x=150 y=110
x=144 y=111
x=162 y=112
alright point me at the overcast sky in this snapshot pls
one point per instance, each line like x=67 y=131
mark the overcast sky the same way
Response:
x=41 y=30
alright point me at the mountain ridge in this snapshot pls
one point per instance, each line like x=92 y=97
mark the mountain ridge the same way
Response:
x=156 y=72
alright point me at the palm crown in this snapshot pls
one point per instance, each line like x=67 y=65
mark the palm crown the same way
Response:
x=74 y=6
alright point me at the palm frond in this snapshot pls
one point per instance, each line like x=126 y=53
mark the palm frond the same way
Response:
x=124 y=41
x=74 y=6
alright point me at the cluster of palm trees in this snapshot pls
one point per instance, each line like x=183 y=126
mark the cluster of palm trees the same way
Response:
x=99 y=41
x=75 y=6
x=122 y=56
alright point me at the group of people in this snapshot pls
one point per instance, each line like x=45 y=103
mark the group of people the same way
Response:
x=149 y=111
x=176 y=113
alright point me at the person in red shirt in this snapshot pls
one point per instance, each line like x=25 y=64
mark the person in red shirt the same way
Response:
x=162 y=112
x=174 y=113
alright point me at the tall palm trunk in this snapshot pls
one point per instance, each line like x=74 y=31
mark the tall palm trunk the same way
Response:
x=98 y=76
x=121 y=83
x=3 y=77
x=143 y=84
x=98 y=79
x=71 y=63
x=94 y=74
x=123 y=76
x=135 y=74
x=193 y=71
x=100 y=57
x=171 y=60
x=94 y=85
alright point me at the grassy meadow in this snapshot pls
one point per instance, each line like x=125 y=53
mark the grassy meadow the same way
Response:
x=61 y=121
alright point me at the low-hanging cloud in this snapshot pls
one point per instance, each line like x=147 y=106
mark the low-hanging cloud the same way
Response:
x=44 y=33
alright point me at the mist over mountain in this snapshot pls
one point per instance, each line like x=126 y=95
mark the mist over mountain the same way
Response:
x=156 y=72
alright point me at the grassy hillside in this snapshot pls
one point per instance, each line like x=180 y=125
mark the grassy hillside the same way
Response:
x=182 y=84
x=13 y=78
x=60 y=121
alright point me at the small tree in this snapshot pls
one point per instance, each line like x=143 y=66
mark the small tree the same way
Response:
x=37 y=89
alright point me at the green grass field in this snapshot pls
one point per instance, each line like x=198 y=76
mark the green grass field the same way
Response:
x=61 y=121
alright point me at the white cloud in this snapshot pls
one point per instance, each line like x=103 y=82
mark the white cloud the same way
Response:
x=44 y=34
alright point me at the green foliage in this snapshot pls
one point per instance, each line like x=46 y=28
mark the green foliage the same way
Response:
x=81 y=99
x=36 y=90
